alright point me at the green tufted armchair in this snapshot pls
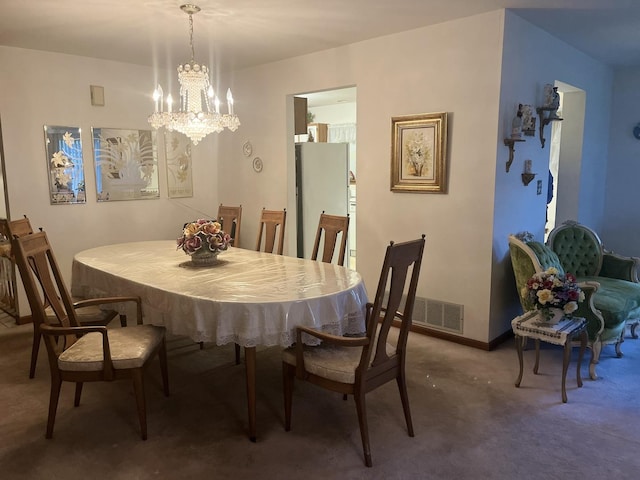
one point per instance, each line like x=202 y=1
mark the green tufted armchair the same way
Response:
x=529 y=257
x=581 y=252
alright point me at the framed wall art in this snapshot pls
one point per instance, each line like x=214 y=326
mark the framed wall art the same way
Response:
x=419 y=153
x=126 y=164
x=178 y=156
x=64 y=164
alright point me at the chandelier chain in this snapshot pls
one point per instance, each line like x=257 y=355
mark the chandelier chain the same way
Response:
x=193 y=55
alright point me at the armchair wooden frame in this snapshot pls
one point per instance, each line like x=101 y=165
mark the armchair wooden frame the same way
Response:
x=229 y=218
x=372 y=361
x=332 y=226
x=44 y=285
x=272 y=223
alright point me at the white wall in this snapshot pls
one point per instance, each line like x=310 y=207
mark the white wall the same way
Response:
x=426 y=70
x=41 y=88
x=532 y=57
x=621 y=232
x=456 y=67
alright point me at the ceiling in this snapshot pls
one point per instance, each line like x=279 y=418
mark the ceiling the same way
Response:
x=234 y=34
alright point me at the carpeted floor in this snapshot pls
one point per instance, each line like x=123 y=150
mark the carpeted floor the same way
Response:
x=470 y=420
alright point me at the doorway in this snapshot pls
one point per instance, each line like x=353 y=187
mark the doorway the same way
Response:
x=331 y=119
x=565 y=157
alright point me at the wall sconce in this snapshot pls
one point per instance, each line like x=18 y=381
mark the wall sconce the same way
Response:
x=527 y=175
x=516 y=134
x=510 y=142
x=549 y=111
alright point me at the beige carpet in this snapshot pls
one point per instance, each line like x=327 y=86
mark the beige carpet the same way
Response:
x=470 y=420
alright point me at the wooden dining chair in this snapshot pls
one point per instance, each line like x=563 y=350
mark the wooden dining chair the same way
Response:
x=358 y=365
x=332 y=226
x=229 y=219
x=78 y=353
x=88 y=314
x=272 y=223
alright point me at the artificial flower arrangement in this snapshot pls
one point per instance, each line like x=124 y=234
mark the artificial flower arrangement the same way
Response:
x=550 y=289
x=203 y=236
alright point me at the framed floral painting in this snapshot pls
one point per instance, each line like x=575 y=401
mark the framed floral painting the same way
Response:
x=126 y=164
x=64 y=164
x=419 y=153
x=178 y=156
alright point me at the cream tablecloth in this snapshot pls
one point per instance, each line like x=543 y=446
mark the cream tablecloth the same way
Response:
x=249 y=298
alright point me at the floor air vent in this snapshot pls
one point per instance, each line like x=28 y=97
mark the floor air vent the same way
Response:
x=440 y=315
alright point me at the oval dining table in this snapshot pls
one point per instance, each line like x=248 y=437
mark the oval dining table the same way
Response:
x=249 y=298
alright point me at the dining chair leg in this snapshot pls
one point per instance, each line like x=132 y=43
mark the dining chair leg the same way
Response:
x=138 y=387
x=76 y=400
x=288 y=375
x=56 y=384
x=364 y=429
x=34 y=351
x=162 y=356
x=237 y=354
x=402 y=387
x=250 y=367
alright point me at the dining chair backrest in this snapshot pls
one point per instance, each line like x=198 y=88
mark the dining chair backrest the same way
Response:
x=44 y=286
x=272 y=223
x=332 y=226
x=229 y=218
x=19 y=227
x=393 y=301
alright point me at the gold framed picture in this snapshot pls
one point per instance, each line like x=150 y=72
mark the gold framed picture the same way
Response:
x=419 y=153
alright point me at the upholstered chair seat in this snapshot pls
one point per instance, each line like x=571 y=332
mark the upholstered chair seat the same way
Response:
x=130 y=348
x=333 y=362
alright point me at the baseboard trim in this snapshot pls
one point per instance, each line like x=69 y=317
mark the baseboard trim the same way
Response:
x=431 y=332
x=24 y=320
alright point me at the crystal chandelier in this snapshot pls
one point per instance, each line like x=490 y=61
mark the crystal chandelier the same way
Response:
x=195 y=117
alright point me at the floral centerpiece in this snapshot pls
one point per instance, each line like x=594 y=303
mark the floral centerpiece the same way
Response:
x=203 y=240
x=550 y=289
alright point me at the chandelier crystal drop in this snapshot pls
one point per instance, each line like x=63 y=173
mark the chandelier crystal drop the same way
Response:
x=199 y=111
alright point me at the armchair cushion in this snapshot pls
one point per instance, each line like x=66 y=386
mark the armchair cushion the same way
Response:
x=336 y=363
x=130 y=348
x=617 y=300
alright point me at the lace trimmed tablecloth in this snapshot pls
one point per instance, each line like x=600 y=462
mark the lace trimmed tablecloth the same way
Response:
x=250 y=298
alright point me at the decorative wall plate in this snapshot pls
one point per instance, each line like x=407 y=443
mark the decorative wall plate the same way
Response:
x=636 y=131
x=257 y=164
x=247 y=148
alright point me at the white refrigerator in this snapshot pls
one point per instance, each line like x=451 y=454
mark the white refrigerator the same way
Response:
x=322 y=184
